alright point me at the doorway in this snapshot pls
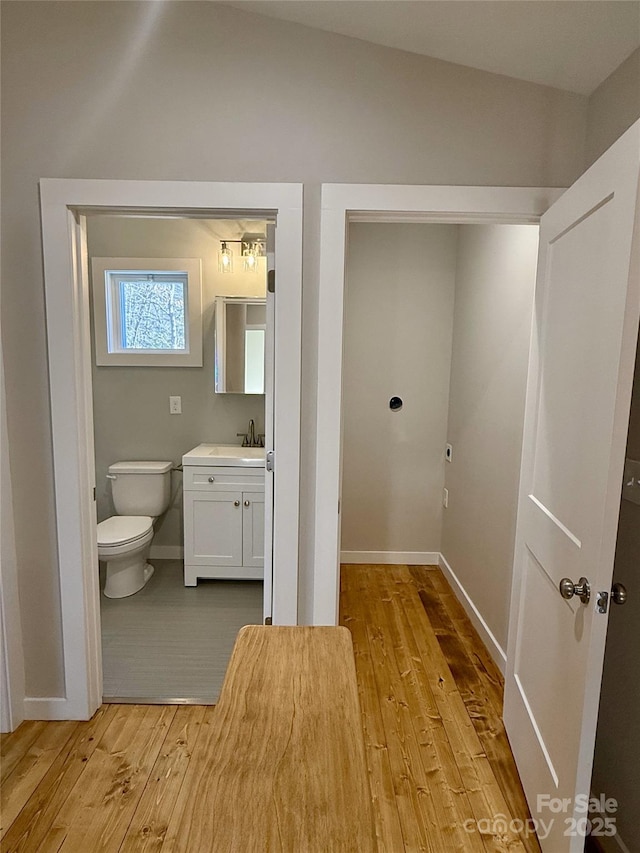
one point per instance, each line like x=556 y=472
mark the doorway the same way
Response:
x=614 y=783
x=65 y=206
x=436 y=347
x=343 y=205
x=169 y=639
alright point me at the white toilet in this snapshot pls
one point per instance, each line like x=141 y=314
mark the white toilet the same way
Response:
x=141 y=492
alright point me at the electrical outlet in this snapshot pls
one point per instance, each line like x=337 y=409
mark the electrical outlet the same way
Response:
x=448 y=452
x=175 y=405
x=445 y=498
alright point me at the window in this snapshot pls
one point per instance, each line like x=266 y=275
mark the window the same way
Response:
x=254 y=361
x=147 y=311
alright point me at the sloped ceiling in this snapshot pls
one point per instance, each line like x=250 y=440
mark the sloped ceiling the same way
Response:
x=569 y=44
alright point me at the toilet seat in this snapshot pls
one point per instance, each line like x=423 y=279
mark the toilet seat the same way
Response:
x=123 y=530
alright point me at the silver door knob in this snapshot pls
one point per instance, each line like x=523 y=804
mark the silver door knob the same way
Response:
x=236 y=503
x=212 y=479
x=582 y=589
x=619 y=593
x=246 y=503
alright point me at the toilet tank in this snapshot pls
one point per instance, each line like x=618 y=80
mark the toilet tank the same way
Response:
x=140 y=488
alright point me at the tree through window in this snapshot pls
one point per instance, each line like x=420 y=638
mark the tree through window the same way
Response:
x=152 y=313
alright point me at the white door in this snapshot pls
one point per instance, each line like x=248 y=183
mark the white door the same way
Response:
x=269 y=439
x=579 y=389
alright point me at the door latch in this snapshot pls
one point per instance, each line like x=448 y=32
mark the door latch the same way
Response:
x=271 y=460
x=618 y=596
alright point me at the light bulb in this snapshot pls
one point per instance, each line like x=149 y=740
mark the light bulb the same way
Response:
x=250 y=257
x=225 y=259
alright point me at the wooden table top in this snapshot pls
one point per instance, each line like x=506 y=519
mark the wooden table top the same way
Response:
x=286 y=767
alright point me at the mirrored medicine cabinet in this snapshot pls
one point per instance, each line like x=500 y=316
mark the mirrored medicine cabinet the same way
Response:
x=240 y=329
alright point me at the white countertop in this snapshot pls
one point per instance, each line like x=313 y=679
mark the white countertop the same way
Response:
x=228 y=455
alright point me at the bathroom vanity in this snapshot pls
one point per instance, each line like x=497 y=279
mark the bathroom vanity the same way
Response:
x=223 y=513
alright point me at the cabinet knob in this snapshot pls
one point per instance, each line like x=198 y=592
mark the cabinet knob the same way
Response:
x=236 y=503
x=246 y=503
x=212 y=479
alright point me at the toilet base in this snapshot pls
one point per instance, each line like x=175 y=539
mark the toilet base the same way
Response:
x=126 y=577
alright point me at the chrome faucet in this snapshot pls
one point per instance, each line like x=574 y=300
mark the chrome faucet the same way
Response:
x=249 y=438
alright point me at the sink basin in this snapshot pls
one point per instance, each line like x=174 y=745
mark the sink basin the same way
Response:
x=229 y=455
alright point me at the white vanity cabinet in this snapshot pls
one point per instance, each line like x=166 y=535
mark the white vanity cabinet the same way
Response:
x=223 y=522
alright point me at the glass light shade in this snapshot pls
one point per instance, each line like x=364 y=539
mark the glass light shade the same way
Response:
x=225 y=259
x=250 y=259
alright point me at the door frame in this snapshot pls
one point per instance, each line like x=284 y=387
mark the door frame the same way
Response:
x=342 y=204
x=64 y=207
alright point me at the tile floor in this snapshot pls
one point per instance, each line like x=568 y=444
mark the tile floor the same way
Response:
x=169 y=641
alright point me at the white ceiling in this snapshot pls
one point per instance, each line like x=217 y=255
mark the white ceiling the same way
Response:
x=569 y=44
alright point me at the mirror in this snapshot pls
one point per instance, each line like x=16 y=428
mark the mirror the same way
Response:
x=240 y=324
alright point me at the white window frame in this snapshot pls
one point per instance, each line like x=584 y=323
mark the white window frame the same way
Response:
x=106 y=312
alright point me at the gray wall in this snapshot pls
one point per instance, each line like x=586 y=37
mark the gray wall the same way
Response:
x=613 y=107
x=198 y=91
x=397 y=342
x=131 y=404
x=495 y=281
x=617 y=757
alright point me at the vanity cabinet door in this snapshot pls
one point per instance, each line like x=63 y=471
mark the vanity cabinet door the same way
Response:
x=253 y=529
x=213 y=528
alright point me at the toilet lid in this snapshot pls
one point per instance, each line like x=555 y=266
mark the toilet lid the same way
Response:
x=120 y=529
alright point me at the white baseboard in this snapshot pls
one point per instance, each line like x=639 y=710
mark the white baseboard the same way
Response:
x=166 y=552
x=391 y=558
x=495 y=649
x=52 y=708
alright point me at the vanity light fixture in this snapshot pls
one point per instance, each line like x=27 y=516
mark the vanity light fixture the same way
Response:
x=252 y=247
x=225 y=257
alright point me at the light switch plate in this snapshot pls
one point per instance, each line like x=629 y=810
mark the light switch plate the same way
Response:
x=631 y=481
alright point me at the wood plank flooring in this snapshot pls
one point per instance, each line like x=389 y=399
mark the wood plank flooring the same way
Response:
x=289 y=770
x=441 y=770
x=439 y=764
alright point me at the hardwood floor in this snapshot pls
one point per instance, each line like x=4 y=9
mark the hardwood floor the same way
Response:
x=289 y=772
x=441 y=771
x=439 y=764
